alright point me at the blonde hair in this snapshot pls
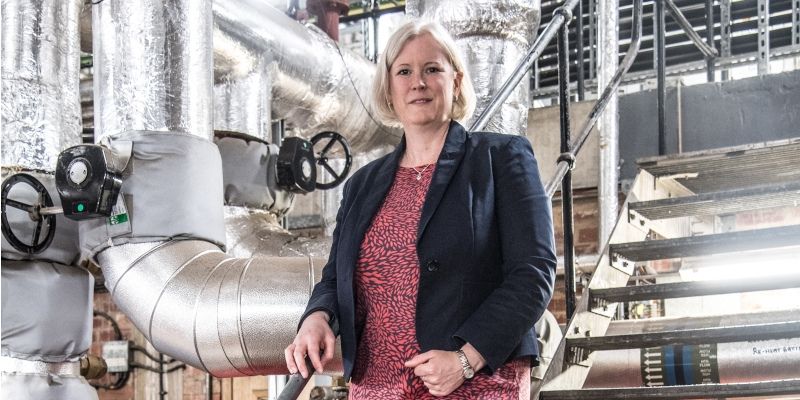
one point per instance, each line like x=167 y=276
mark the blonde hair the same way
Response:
x=463 y=105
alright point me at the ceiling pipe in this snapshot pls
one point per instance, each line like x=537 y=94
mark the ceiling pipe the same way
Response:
x=316 y=86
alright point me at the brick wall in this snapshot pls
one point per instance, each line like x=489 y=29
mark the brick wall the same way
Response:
x=585 y=228
x=188 y=384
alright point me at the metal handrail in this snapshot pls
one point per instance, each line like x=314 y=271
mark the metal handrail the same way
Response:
x=705 y=48
x=594 y=115
x=524 y=65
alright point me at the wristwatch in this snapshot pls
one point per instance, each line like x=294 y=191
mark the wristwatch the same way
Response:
x=465 y=366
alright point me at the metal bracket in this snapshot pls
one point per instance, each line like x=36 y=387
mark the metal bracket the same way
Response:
x=618 y=262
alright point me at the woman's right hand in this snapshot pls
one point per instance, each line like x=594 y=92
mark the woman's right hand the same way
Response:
x=314 y=338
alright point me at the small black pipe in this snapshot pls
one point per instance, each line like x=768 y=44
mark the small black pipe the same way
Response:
x=210 y=394
x=710 y=39
x=579 y=47
x=566 y=183
x=162 y=394
x=662 y=85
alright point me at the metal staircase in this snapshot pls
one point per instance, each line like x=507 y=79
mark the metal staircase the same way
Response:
x=677 y=210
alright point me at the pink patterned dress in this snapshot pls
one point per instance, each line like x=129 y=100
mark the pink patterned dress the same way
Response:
x=386 y=284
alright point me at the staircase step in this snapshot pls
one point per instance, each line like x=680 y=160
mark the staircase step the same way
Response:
x=724 y=334
x=729 y=168
x=729 y=390
x=691 y=289
x=729 y=242
x=782 y=195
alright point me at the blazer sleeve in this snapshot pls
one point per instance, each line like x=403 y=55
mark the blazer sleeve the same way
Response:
x=324 y=295
x=525 y=224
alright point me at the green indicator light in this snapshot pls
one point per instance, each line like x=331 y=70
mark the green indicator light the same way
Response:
x=80 y=207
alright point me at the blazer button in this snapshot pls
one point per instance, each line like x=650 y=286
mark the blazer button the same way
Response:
x=433 y=265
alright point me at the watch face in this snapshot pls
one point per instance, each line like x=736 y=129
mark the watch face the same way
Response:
x=469 y=373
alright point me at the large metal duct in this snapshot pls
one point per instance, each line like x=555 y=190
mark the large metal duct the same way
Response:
x=493 y=36
x=316 y=86
x=693 y=364
x=43 y=335
x=229 y=316
x=40 y=67
x=151 y=72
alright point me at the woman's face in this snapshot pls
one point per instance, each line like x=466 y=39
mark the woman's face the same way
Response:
x=422 y=83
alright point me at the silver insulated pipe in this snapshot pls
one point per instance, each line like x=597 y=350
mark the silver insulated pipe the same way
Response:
x=316 y=86
x=229 y=316
x=493 y=36
x=696 y=364
x=151 y=70
x=40 y=66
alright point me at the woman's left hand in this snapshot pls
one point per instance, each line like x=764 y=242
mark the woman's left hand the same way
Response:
x=440 y=371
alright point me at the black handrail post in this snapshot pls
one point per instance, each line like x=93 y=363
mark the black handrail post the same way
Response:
x=579 y=47
x=660 y=28
x=566 y=183
x=710 y=39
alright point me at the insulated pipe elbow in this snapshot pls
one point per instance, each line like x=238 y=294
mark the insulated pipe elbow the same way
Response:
x=228 y=316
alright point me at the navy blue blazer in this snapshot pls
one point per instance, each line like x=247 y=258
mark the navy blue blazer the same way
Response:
x=485 y=245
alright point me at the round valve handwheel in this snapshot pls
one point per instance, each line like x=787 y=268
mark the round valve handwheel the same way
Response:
x=325 y=144
x=39 y=242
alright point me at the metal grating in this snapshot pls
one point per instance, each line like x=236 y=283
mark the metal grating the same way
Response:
x=730 y=242
x=679 y=49
x=716 y=203
x=716 y=391
x=770 y=163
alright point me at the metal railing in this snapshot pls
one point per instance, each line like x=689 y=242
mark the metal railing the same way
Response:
x=707 y=49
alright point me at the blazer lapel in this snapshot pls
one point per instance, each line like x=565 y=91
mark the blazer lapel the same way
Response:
x=449 y=160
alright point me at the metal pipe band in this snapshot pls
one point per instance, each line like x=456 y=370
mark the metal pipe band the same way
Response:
x=316 y=86
x=11 y=365
x=704 y=47
x=41 y=112
x=522 y=67
x=492 y=36
x=597 y=110
x=228 y=316
x=163 y=83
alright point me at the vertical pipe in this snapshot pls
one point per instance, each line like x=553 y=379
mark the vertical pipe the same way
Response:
x=566 y=183
x=608 y=46
x=661 y=61
x=710 y=38
x=41 y=111
x=163 y=83
x=162 y=393
x=795 y=22
x=763 y=37
x=375 y=8
x=579 y=48
x=592 y=41
x=725 y=32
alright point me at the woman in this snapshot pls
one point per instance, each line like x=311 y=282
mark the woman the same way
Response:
x=442 y=256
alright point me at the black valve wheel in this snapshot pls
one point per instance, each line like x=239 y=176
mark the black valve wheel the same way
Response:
x=47 y=223
x=325 y=145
